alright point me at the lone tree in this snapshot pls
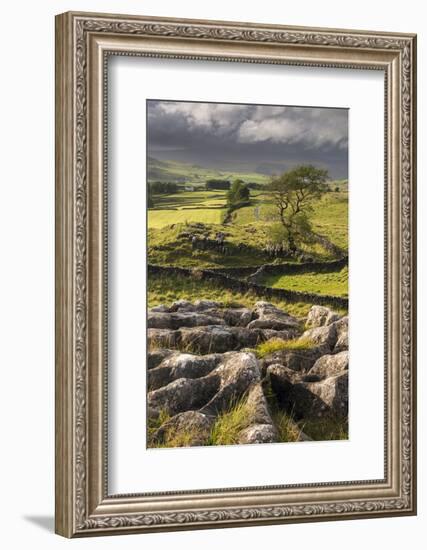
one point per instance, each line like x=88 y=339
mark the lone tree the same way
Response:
x=293 y=192
x=238 y=193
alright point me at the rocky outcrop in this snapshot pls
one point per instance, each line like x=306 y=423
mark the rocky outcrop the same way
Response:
x=207 y=327
x=212 y=338
x=210 y=394
x=309 y=395
x=270 y=317
x=182 y=319
x=181 y=365
x=157 y=356
x=258 y=433
x=320 y=316
x=330 y=365
x=187 y=429
x=342 y=335
x=201 y=364
x=297 y=360
x=322 y=336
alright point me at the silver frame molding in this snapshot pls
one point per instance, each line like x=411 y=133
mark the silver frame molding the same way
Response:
x=83 y=43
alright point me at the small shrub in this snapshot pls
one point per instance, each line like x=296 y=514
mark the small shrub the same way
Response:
x=230 y=423
x=277 y=344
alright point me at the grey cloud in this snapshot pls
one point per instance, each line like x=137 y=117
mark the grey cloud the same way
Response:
x=248 y=136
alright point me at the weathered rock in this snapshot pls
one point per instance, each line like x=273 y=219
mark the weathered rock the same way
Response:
x=342 y=343
x=326 y=336
x=222 y=338
x=162 y=338
x=342 y=325
x=246 y=338
x=258 y=433
x=181 y=319
x=181 y=395
x=271 y=317
x=182 y=305
x=333 y=392
x=210 y=394
x=155 y=357
x=202 y=305
x=181 y=365
x=330 y=365
x=190 y=428
x=257 y=405
x=161 y=309
x=209 y=339
x=293 y=394
x=342 y=332
x=268 y=334
x=297 y=360
x=303 y=398
x=237 y=373
x=194 y=389
x=320 y=316
x=237 y=317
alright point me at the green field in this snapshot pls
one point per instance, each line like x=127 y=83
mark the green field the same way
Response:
x=195 y=214
x=329 y=215
x=331 y=284
x=187 y=206
x=165 y=290
x=160 y=170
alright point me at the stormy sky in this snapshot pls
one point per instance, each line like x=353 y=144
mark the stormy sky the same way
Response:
x=264 y=139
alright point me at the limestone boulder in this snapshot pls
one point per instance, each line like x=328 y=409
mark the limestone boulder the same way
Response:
x=325 y=336
x=330 y=365
x=258 y=433
x=320 y=316
x=187 y=429
x=268 y=316
x=181 y=319
x=181 y=365
x=158 y=338
x=155 y=357
x=207 y=339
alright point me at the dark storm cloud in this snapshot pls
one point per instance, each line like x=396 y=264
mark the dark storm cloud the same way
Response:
x=266 y=139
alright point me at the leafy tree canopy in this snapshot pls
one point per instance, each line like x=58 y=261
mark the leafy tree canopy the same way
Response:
x=293 y=193
x=238 y=193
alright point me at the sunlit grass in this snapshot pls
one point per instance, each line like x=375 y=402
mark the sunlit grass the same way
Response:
x=230 y=423
x=287 y=428
x=277 y=344
x=331 y=284
x=161 y=218
x=165 y=289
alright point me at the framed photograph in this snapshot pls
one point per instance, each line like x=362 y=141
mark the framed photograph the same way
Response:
x=235 y=274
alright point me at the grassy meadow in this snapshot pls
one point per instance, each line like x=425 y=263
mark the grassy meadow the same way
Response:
x=332 y=284
x=195 y=212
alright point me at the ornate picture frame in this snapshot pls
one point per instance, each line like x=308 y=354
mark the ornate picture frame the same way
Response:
x=84 y=42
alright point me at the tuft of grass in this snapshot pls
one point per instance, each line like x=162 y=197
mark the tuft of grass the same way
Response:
x=287 y=428
x=230 y=423
x=178 y=438
x=278 y=344
x=327 y=428
x=154 y=424
x=173 y=437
